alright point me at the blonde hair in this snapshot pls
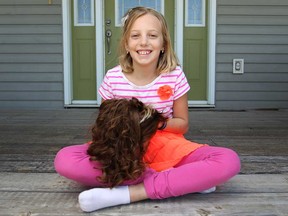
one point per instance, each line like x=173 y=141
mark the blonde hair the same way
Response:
x=167 y=59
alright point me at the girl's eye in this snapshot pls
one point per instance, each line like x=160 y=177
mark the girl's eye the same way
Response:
x=153 y=36
x=134 y=36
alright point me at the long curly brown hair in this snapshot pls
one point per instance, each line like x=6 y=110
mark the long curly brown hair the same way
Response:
x=120 y=137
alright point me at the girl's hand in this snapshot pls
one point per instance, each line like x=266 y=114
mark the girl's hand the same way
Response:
x=180 y=121
x=162 y=125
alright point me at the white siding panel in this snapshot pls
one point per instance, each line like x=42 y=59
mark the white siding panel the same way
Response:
x=31 y=54
x=257 y=31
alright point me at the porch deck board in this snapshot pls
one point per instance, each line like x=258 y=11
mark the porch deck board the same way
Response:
x=29 y=185
x=47 y=203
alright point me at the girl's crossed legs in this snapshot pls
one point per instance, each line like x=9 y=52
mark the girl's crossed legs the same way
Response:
x=204 y=168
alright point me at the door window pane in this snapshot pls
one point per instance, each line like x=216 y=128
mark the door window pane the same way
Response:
x=195 y=13
x=122 y=6
x=83 y=12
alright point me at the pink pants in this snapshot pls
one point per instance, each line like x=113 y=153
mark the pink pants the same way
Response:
x=204 y=168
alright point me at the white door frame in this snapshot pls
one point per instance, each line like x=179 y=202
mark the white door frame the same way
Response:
x=100 y=58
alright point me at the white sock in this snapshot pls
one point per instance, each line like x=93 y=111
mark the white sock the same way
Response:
x=97 y=198
x=210 y=190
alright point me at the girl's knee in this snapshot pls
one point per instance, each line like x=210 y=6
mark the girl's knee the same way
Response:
x=67 y=159
x=61 y=161
x=231 y=162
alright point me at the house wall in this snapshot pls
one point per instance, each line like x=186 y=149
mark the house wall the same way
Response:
x=31 y=61
x=31 y=54
x=257 y=31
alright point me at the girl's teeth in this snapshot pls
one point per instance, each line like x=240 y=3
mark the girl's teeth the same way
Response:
x=144 y=52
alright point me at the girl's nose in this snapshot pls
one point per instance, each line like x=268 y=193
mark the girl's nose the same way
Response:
x=144 y=40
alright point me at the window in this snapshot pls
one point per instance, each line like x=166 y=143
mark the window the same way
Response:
x=122 y=6
x=195 y=13
x=84 y=12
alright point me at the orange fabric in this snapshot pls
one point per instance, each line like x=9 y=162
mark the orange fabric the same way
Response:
x=166 y=149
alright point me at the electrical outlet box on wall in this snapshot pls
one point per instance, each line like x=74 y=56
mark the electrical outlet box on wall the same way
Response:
x=238 y=66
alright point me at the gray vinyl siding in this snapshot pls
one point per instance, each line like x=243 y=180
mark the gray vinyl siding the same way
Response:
x=256 y=30
x=31 y=54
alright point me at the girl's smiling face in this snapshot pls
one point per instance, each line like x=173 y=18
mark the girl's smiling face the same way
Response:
x=145 y=41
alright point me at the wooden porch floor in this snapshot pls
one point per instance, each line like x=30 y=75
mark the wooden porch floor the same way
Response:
x=30 y=139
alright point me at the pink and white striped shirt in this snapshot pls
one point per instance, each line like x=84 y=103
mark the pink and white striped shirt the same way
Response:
x=116 y=85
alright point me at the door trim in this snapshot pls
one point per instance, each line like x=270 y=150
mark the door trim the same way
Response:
x=100 y=41
x=66 y=7
x=212 y=8
x=100 y=59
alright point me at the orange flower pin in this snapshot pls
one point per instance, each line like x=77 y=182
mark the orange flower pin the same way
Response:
x=164 y=92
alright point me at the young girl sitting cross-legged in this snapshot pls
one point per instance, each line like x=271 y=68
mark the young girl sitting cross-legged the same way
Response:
x=149 y=71
x=114 y=163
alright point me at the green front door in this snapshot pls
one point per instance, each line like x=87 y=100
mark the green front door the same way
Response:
x=85 y=34
x=113 y=24
x=83 y=52
x=195 y=48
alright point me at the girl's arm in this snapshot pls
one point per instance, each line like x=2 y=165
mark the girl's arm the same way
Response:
x=180 y=121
